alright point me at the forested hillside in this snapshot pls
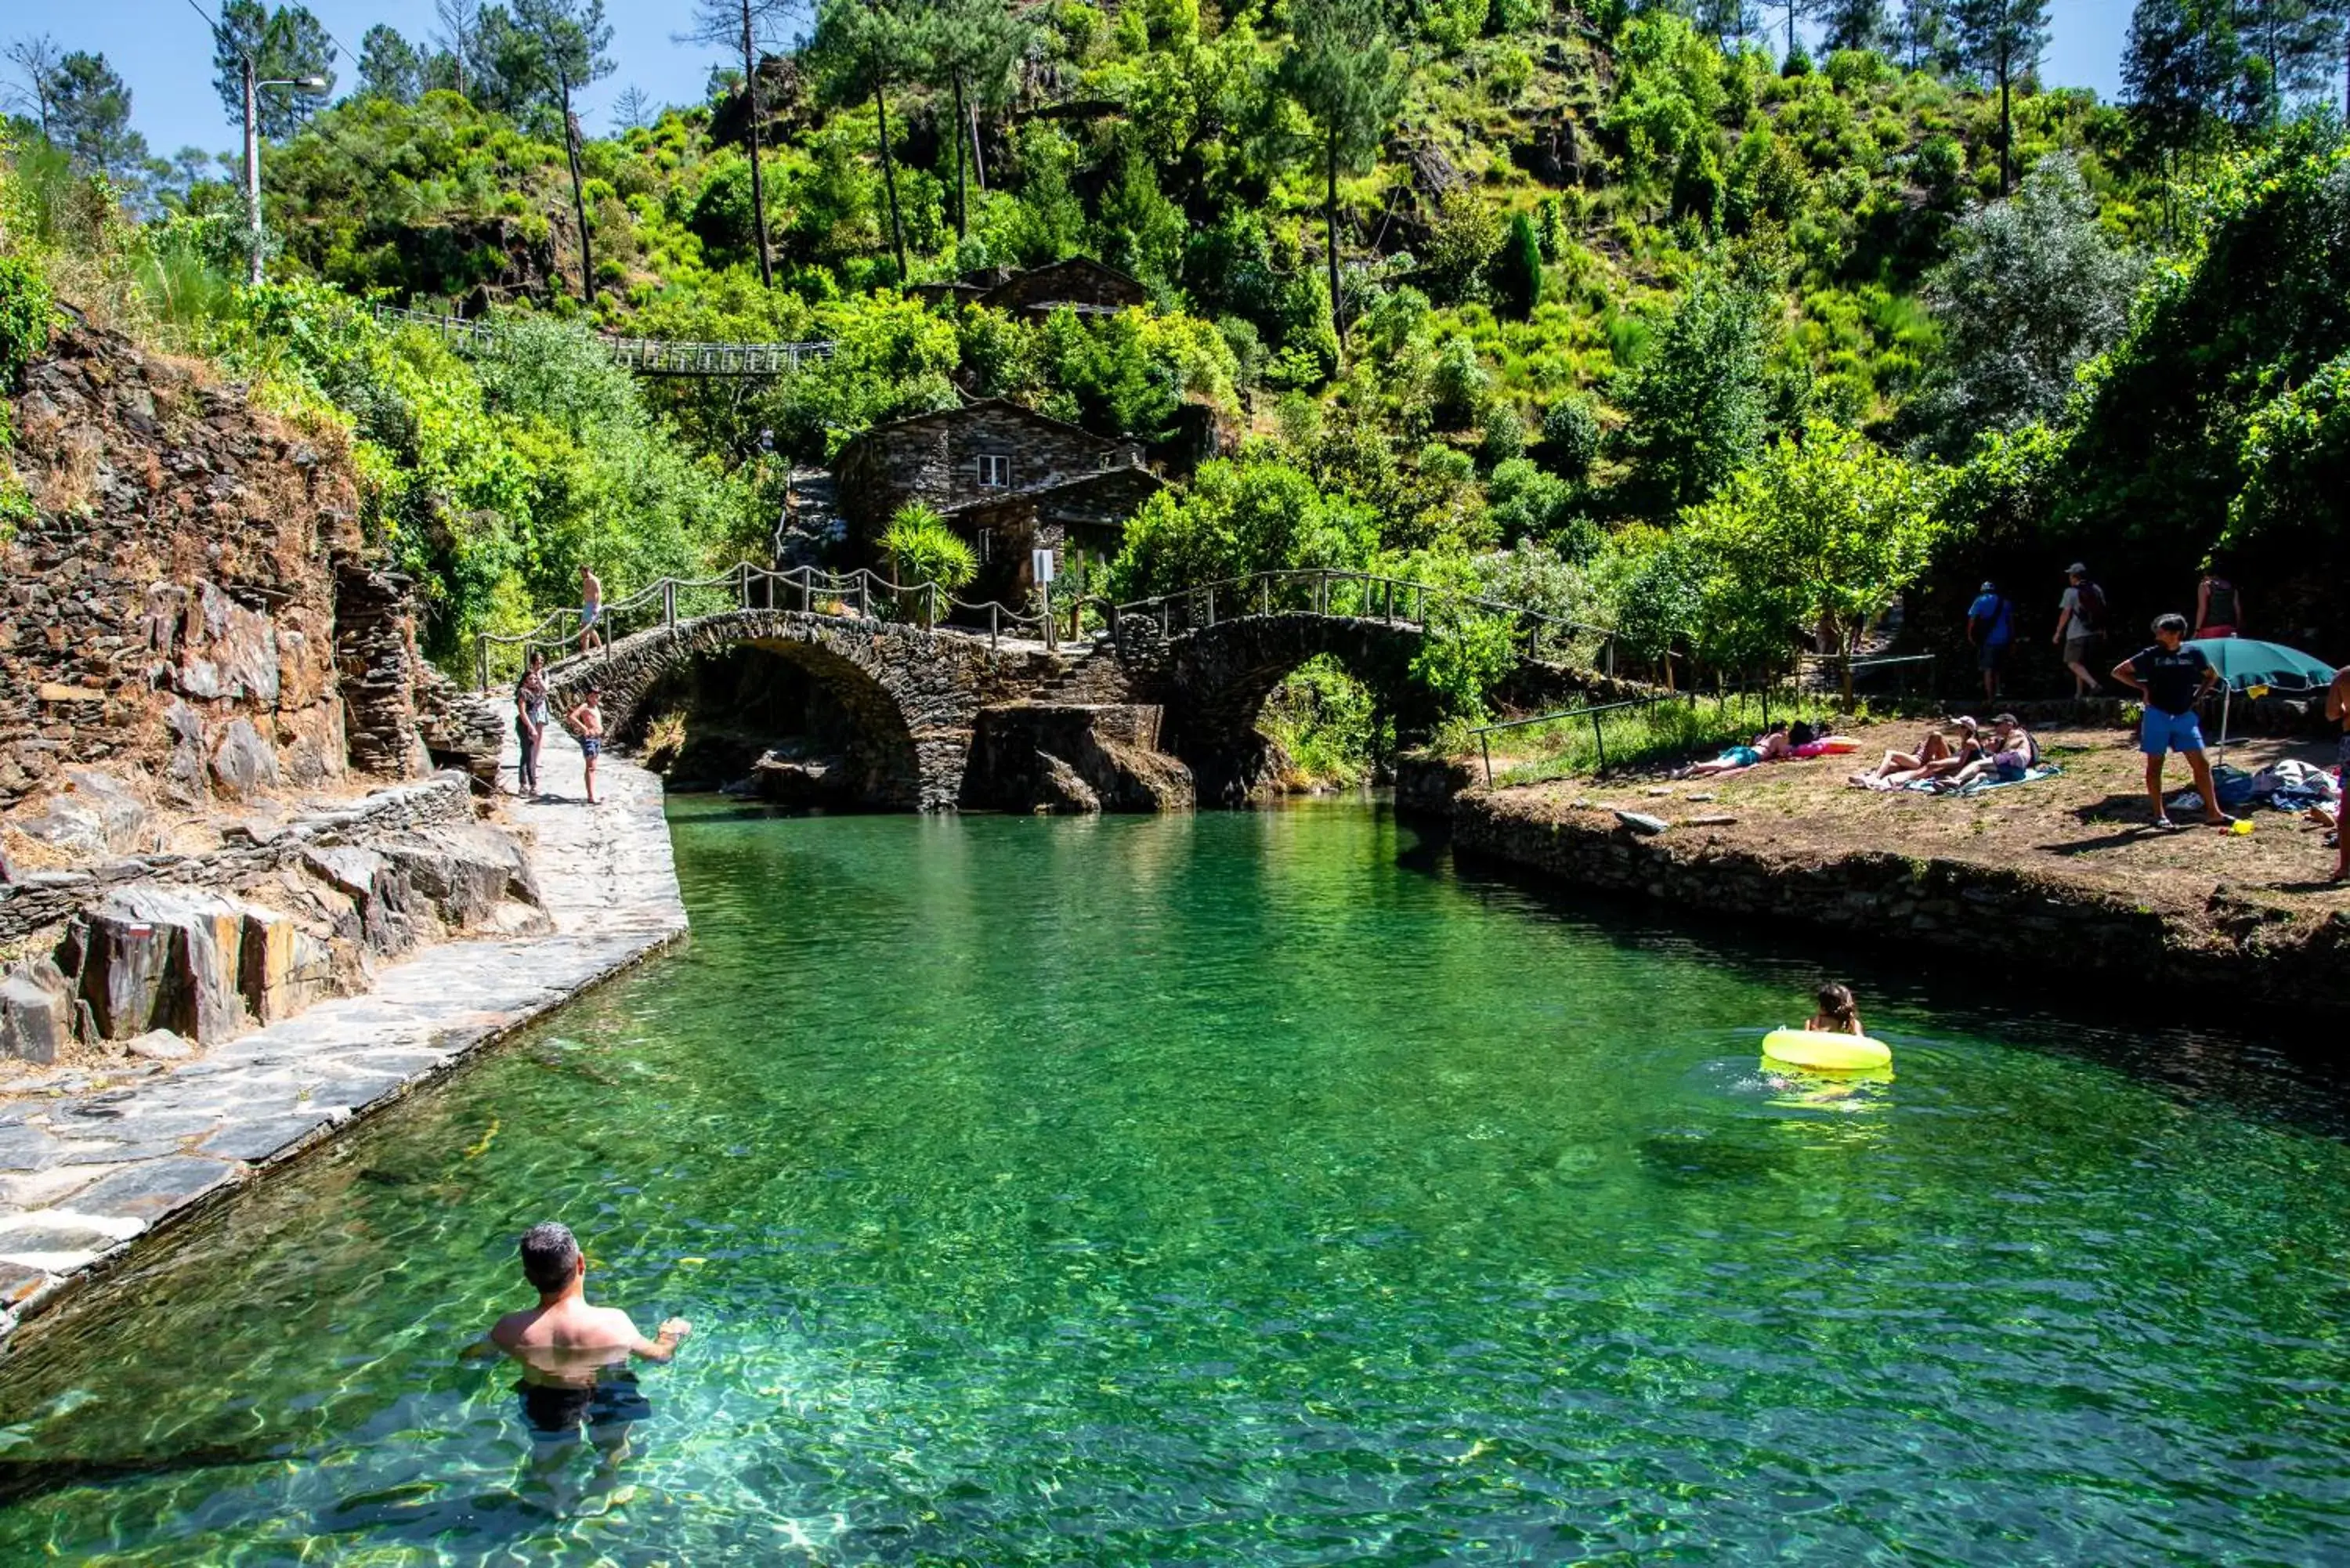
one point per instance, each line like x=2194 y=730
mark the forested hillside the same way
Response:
x=1636 y=315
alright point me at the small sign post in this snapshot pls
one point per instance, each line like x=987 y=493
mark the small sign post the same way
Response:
x=1040 y=567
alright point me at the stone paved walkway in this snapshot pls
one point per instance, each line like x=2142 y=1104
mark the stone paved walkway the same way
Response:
x=83 y=1175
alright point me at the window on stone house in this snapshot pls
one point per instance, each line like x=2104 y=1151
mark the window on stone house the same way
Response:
x=994 y=470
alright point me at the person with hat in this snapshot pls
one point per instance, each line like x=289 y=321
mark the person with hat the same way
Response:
x=2080 y=621
x=1990 y=627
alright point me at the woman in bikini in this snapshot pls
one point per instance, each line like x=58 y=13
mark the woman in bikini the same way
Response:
x=1934 y=757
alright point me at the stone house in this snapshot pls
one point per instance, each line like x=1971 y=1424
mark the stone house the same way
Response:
x=1008 y=479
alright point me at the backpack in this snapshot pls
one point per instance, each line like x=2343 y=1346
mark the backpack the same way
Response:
x=2092 y=610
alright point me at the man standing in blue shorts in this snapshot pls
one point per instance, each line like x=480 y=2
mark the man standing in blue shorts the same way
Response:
x=2172 y=676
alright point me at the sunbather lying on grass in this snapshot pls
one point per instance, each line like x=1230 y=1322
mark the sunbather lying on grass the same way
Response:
x=2009 y=755
x=1934 y=758
x=1769 y=746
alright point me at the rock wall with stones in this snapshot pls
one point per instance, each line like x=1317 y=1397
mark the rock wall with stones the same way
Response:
x=2233 y=952
x=163 y=955
x=170 y=612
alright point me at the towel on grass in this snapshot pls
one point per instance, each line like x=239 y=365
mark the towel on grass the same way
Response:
x=1987 y=782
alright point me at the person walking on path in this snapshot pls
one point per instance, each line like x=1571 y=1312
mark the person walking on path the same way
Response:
x=2172 y=676
x=2337 y=708
x=530 y=723
x=1990 y=627
x=591 y=610
x=2080 y=621
x=2218 y=606
x=587 y=722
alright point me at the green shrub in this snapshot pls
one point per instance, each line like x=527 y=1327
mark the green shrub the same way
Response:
x=26 y=310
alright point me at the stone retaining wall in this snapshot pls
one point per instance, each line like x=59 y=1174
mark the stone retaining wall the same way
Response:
x=2247 y=952
x=39 y=900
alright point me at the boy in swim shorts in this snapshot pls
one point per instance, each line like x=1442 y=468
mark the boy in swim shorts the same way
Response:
x=2172 y=676
x=587 y=723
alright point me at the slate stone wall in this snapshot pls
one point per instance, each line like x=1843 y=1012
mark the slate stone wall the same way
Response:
x=39 y=900
x=169 y=609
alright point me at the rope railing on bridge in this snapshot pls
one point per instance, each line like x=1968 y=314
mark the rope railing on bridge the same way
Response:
x=1367 y=596
x=646 y=356
x=864 y=595
x=857 y=594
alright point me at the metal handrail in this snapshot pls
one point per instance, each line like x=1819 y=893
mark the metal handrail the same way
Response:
x=652 y=356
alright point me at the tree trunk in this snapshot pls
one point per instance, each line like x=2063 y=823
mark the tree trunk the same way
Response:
x=962 y=204
x=978 y=154
x=1330 y=234
x=889 y=180
x=758 y=184
x=2006 y=133
x=579 y=197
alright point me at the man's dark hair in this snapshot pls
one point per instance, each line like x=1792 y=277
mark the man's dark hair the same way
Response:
x=2176 y=623
x=549 y=1256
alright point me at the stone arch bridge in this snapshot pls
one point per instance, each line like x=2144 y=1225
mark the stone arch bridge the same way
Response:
x=920 y=699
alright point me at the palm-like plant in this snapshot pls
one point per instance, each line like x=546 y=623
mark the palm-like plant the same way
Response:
x=928 y=554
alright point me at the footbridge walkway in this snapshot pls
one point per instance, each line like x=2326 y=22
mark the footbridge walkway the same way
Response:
x=914 y=666
x=645 y=356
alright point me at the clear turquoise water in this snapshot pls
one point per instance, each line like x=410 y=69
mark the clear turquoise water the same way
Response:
x=1244 y=1189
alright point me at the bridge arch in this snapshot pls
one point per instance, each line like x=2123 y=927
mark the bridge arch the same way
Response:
x=912 y=695
x=1215 y=680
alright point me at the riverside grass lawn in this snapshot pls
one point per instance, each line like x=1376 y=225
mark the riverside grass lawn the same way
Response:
x=2088 y=827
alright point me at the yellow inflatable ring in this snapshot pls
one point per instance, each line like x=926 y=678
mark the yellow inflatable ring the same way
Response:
x=1825 y=1053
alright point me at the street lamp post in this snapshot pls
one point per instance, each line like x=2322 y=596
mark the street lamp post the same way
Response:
x=253 y=152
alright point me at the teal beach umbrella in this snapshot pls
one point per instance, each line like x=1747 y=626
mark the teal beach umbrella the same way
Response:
x=2252 y=667
x=2244 y=664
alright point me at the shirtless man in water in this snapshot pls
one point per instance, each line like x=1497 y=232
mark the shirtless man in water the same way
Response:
x=562 y=1328
x=574 y=1356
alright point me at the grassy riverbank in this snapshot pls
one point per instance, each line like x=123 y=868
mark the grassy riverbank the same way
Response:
x=2064 y=874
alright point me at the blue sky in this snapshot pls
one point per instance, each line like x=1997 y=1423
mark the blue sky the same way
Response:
x=164 y=51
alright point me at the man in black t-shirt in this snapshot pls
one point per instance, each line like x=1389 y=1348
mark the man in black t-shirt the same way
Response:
x=2172 y=676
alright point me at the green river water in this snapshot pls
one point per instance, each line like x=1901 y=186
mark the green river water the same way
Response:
x=1251 y=1188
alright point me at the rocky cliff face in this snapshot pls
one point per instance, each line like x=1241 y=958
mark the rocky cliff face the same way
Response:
x=170 y=611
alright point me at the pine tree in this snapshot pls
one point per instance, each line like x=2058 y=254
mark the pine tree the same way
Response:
x=1857 y=24
x=90 y=115
x=1926 y=39
x=571 y=36
x=742 y=25
x=2004 y=40
x=285 y=44
x=389 y=65
x=1341 y=70
x=969 y=46
x=2183 y=76
x=862 y=49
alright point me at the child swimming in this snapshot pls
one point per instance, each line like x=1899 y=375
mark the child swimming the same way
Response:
x=1838 y=1013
